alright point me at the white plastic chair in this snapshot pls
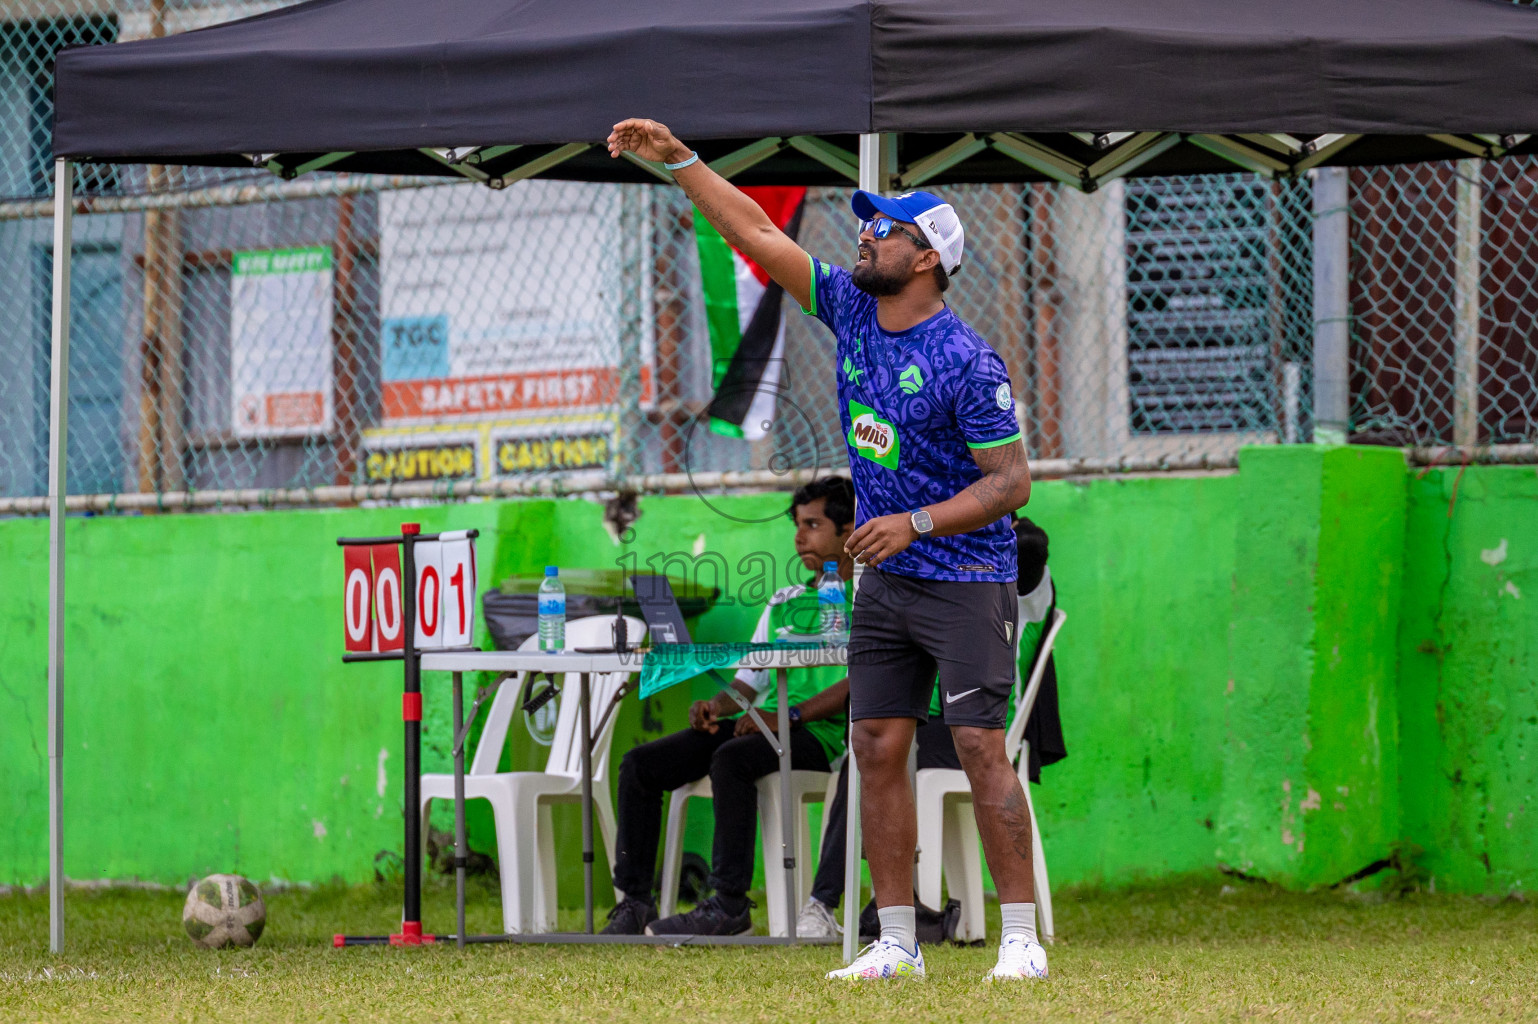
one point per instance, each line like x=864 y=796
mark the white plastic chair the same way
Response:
x=521 y=801
x=806 y=788
x=947 y=833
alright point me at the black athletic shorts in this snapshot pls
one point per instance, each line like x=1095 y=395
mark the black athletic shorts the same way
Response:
x=904 y=630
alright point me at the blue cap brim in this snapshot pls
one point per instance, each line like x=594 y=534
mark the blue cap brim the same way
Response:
x=867 y=204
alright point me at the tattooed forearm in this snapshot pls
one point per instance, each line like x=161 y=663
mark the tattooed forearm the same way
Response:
x=1005 y=486
x=739 y=219
x=744 y=224
x=1006 y=482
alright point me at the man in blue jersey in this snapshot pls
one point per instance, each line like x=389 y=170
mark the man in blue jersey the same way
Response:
x=938 y=465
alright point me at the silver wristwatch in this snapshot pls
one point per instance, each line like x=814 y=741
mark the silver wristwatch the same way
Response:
x=922 y=524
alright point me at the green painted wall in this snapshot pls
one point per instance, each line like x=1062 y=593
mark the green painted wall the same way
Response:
x=1143 y=570
x=209 y=720
x=1310 y=791
x=1289 y=670
x=1468 y=693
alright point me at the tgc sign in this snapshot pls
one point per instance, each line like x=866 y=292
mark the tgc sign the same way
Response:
x=443 y=591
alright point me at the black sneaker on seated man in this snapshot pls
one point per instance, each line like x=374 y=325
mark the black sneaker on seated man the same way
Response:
x=718 y=915
x=630 y=917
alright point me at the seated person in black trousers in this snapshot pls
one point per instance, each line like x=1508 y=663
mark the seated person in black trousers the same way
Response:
x=933 y=738
x=729 y=749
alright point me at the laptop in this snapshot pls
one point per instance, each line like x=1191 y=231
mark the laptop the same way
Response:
x=659 y=607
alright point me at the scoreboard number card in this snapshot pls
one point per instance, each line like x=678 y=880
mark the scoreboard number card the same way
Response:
x=458 y=589
x=357 y=599
x=389 y=615
x=429 y=594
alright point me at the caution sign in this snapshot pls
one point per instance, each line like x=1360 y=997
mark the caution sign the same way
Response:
x=421 y=460
x=545 y=454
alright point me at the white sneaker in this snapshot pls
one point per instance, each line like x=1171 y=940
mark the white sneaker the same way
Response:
x=816 y=921
x=1018 y=960
x=881 y=960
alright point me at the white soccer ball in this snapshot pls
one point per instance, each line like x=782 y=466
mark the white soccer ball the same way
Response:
x=224 y=910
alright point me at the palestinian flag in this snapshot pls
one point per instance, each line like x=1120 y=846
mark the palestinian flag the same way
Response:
x=747 y=333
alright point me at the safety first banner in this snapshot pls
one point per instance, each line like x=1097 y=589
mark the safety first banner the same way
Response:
x=506 y=304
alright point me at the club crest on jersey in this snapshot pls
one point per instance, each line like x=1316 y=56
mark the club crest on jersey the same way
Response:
x=1003 y=397
x=871 y=436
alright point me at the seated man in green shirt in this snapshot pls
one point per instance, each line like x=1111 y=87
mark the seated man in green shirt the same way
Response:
x=729 y=749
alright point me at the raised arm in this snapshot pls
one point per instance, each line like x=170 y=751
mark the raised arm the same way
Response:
x=739 y=219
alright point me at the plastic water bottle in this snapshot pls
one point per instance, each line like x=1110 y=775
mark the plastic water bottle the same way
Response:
x=552 y=611
x=832 y=609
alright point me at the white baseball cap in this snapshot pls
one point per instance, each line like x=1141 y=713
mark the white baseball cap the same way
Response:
x=933 y=216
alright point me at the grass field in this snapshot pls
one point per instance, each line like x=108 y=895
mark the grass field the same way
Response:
x=1199 y=952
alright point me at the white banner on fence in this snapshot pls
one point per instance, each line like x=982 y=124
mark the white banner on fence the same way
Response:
x=280 y=342
x=500 y=303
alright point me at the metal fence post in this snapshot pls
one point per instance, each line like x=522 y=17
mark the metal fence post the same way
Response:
x=1469 y=225
x=1332 y=305
x=627 y=428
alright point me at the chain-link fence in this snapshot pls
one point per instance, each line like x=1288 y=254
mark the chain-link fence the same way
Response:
x=1443 y=276
x=234 y=333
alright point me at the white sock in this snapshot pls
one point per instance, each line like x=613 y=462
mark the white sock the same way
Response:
x=1019 y=919
x=900 y=925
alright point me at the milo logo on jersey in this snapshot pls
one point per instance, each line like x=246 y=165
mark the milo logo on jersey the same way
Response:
x=871 y=436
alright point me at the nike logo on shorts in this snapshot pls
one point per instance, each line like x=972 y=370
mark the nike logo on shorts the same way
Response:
x=951 y=698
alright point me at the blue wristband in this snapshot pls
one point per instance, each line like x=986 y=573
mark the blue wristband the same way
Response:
x=693 y=157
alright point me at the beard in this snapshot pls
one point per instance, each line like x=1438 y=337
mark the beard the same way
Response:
x=875 y=282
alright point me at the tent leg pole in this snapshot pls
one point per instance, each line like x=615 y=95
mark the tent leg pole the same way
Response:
x=878 y=162
x=58 y=419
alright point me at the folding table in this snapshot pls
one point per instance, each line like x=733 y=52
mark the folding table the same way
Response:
x=669 y=664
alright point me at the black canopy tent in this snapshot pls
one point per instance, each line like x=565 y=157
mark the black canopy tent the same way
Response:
x=897 y=93
x=987 y=90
